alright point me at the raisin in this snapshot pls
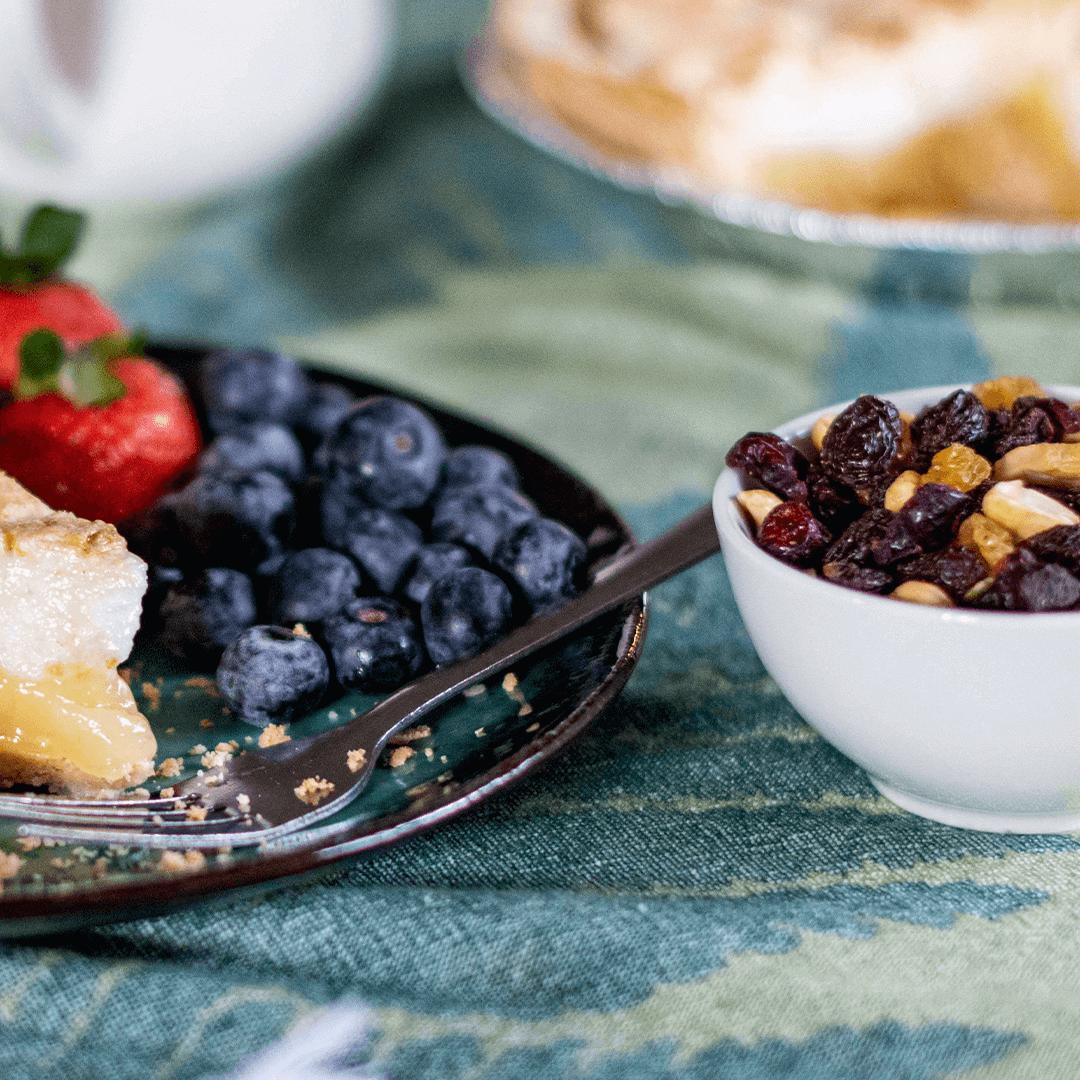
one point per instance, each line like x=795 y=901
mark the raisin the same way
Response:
x=1066 y=422
x=869 y=579
x=955 y=569
x=770 y=462
x=834 y=504
x=1060 y=545
x=928 y=520
x=862 y=443
x=959 y=418
x=959 y=467
x=856 y=543
x=792 y=533
x=1029 y=422
x=1025 y=583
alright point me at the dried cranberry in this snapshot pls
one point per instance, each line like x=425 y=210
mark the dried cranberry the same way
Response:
x=768 y=461
x=871 y=579
x=959 y=418
x=1059 y=545
x=792 y=533
x=1024 y=583
x=928 y=520
x=834 y=504
x=955 y=569
x=862 y=442
x=856 y=543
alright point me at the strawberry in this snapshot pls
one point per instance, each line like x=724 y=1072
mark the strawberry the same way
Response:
x=100 y=432
x=33 y=296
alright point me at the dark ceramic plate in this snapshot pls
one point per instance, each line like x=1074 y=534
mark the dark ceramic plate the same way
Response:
x=478 y=745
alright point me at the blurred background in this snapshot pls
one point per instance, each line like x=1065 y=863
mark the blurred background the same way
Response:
x=318 y=176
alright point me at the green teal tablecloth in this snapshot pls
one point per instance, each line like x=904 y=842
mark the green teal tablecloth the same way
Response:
x=701 y=887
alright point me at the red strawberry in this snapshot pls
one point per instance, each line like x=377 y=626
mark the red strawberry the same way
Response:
x=101 y=433
x=31 y=296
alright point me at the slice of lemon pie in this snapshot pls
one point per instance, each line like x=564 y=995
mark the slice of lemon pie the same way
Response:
x=70 y=595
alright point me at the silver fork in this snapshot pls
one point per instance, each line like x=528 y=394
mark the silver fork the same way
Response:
x=260 y=797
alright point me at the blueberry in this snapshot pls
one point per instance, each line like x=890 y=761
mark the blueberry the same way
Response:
x=546 y=560
x=339 y=505
x=272 y=675
x=375 y=645
x=326 y=405
x=312 y=585
x=387 y=451
x=463 y=612
x=236 y=519
x=200 y=615
x=246 y=386
x=469 y=465
x=254 y=447
x=479 y=517
x=384 y=544
x=432 y=561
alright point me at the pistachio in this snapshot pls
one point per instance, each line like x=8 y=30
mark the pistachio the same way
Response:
x=901 y=489
x=922 y=592
x=758 y=503
x=1054 y=465
x=1024 y=511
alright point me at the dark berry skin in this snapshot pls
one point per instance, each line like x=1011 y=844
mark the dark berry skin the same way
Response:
x=793 y=534
x=862 y=442
x=1030 y=421
x=387 y=451
x=255 y=447
x=463 y=612
x=384 y=543
x=1059 y=545
x=432 y=561
x=312 y=585
x=327 y=404
x=851 y=575
x=1024 y=583
x=252 y=386
x=270 y=675
x=198 y=616
x=765 y=460
x=834 y=504
x=929 y=519
x=374 y=645
x=242 y=520
x=479 y=517
x=468 y=465
x=954 y=569
x=545 y=560
x=855 y=545
x=959 y=418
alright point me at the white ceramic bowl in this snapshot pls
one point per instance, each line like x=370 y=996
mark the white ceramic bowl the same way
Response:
x=970 y=718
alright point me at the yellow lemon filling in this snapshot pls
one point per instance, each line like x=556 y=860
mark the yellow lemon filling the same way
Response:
x=77 y=728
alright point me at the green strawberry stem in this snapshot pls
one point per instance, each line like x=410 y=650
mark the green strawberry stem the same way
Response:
x=49 y=236
x=82 y=377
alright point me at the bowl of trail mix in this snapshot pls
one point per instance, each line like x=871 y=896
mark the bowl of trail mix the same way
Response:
x=908 y=567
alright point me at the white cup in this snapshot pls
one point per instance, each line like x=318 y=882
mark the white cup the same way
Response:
x=107 y=101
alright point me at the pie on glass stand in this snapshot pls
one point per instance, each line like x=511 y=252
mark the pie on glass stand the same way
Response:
x=929 y=109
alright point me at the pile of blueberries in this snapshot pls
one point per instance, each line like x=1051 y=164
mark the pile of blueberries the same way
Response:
x=327 y=543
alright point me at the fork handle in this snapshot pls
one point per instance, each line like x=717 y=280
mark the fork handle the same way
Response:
x=627 y=576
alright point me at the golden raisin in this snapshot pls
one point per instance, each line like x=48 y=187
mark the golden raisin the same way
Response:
x=1000 y=393
x=959 y=467
x=991 y=541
